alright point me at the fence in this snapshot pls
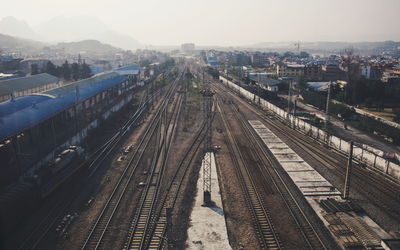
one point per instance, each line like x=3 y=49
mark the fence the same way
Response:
x=368 y=158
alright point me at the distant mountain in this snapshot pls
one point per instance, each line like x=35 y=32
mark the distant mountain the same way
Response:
x=89 y=48
x=68 y=29
x=118 y=40
x=86 y=47
x=13 y=44
x=19 y=28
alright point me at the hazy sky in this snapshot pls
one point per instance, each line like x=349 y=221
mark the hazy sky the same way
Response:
x=226 y=22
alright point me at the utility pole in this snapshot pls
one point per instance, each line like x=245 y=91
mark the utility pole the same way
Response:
x=258 y=88
x=348 y=173
x=294 y=112
x=207 y=94
x=289 y=100
x=327 y=107
x=203 y=78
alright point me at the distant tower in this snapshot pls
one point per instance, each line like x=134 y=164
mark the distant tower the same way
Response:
x=79 y=59
x=297 y=47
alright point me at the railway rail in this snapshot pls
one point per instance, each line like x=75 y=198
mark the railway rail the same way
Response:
x=159 y=235
x=267 y=235
x=36 y=236
x=299 y=210
x=101 y=225
x=144 y=220
x=384 y=194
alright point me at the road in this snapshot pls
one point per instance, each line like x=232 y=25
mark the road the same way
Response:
x=351 y=133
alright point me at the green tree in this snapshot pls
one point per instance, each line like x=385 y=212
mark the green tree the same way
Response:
x=304 y=54
x=51 y=69
x=66 y=71
x=351 y=63
x=301 y=82
x=75 y=71
x=144 y=63
x=288 y=54
x=85 y=71
x=34 y=69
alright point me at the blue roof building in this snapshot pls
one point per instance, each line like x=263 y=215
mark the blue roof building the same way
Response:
x=24 y=112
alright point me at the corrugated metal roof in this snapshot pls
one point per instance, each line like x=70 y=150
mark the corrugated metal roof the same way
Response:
x=128 y=70
x=81 y=84
x=18 y=84
x=19 y=103
x=30 y=115
x=130 y=67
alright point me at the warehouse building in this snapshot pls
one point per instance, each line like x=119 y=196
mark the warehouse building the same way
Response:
x=11 y=88
x=32 y=127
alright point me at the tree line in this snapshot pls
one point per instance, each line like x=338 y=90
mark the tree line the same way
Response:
x=66 y=71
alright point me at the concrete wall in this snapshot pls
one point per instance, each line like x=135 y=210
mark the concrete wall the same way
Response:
x=368 y=157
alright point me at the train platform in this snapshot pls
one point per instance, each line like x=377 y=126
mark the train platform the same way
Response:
x=347 y=223
x=207 y=224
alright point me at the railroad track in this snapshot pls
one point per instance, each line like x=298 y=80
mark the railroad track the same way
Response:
x=308 y=230
x=159 y=235
x=384 y=194
x=269 y=171
x=267 y=236
x=60 y=208
x=101 y=225
x=143 y=223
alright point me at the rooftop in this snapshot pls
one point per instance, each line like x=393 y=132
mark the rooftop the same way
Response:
x=17 y=84
x=128 y=70
x=264 y=79
x=295 y=66
x=22 y=113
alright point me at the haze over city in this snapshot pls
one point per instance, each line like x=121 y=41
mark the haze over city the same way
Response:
x=199 y=124
x=222 y=22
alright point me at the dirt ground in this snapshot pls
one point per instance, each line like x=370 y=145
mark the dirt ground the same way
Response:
x=182 y=139
x=283 y=222
x=241 y=230
x=368 y=197
x=100 y=186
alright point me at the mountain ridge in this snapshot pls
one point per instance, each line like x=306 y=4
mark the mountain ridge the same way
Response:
x=68 y=29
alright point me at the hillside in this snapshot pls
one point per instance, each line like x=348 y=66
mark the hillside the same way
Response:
x=17 y=28
x=78 y=28
x=68 y=29
x=86 y=46
x=14 y=44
